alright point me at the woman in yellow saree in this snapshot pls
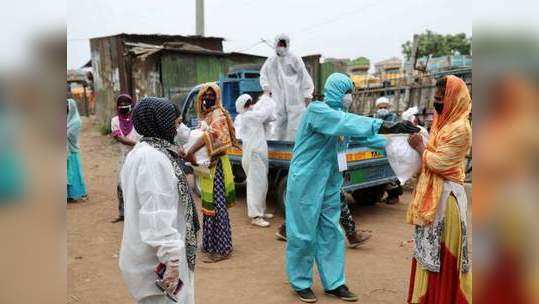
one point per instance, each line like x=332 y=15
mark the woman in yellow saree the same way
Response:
x=217 y=188
x=440 y=266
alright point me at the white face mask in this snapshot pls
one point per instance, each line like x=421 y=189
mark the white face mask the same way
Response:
x=280 y=50
x=382 y=112
x=347 y=101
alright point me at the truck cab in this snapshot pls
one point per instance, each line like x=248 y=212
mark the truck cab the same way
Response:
x=234 y=84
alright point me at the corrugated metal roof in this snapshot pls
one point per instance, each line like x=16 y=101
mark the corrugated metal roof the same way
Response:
x=157 y=35
x=144 y=50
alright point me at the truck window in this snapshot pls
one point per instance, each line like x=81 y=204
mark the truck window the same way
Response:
x=252 y=75
x=189 y=113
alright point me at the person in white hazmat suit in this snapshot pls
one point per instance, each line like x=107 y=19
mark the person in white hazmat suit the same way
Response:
x=284 y=76
x=252 y=118
x=161 y=222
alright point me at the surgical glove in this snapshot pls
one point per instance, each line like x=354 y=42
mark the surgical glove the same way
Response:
x=171 y=277
x=405 y=127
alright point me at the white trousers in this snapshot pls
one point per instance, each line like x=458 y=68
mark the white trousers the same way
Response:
x=256 y=169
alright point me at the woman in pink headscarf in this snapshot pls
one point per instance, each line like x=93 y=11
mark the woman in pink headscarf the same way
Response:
x=122 y=129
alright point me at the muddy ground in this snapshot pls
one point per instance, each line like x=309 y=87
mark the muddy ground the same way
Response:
x=378 y=271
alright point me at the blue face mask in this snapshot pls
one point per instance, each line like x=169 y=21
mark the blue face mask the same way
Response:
x=347 y=101
x=382 y=112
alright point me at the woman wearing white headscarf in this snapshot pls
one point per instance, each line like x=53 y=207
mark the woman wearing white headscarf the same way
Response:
x=161 y=222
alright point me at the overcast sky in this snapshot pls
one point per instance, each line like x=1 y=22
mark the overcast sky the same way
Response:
x=337 y=28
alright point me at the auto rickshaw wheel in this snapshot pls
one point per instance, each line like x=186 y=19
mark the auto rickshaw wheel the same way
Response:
x=369 y=196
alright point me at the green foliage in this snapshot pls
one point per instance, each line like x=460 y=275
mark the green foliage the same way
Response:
x=361 y=61
x=434 y=44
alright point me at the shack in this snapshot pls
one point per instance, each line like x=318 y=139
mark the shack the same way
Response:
x=173 y=68
x=158 y=65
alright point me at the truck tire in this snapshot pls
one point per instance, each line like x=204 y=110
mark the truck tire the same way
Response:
x=369 y=196
x=281 y=193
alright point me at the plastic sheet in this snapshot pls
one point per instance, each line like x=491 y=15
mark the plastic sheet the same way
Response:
x=403 y=159
x=202 y=156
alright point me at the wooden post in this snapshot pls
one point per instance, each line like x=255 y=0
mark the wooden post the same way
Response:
x=398 y=94
x=86 y=105
x=410 y=69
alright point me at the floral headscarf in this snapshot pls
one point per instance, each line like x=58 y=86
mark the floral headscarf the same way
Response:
x=443 y=159
x=220 y=134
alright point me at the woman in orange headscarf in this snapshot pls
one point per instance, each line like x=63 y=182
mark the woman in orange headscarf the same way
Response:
x=440 y=267
x=217 y=188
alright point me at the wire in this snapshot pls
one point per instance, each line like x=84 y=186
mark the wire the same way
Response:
x=338 y=18
x=268 y=44
x=262 y=41
x=239 y=50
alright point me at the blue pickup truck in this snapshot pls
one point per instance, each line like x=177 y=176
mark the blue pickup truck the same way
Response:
x=368 y=169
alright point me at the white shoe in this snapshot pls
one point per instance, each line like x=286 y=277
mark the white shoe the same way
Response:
x=260 y=222
x=268 y=216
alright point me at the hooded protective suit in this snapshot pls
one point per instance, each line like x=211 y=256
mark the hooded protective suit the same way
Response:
x=286 y=77
x=313 y=189
x=255 y=151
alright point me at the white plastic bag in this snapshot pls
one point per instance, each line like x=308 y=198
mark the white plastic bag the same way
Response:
x=403 y=159
x=182 y=134
x=202 y=156
x=409 y=114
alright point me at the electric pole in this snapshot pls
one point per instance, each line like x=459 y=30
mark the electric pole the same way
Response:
x=200 y=17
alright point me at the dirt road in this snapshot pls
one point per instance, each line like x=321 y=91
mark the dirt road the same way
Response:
x=378 y=272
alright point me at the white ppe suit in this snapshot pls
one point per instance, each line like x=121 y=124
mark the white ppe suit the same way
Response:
x=154 y=227
x=255 y=150
x=290 y=84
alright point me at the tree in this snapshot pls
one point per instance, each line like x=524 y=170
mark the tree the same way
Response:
x=361 y=61
x=434 y=44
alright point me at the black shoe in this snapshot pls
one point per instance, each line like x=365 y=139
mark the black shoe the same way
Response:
x=118 y=219
x=357 y=239
x=306 y=295
x=281 y=233
x=343 y=293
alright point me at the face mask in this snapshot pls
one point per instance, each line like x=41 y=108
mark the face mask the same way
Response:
x=347 y=101
x=280 y=50
x=124 y=110
x=382 y=112
x=439 y=107
x=208 y=103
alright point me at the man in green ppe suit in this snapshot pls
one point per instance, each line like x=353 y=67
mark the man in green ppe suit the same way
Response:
x=313 y=189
